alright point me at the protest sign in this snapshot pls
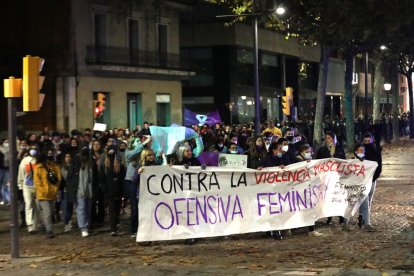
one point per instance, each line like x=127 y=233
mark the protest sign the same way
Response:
x=99 y=127
x=233 y=160
x=168 y=137
x=180 y=203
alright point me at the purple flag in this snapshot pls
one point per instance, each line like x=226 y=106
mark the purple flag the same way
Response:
x=191 y=118
x=209 y=158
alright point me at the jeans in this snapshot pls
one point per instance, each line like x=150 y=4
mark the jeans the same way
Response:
x=46 y=208
x=133 y=195
x=4 y=188
x=83 y=211
x=67 y=209
x=365 y=208
x=31 y=208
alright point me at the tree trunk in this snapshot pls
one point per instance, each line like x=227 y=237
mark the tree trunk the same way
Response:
x=378 y=84
x=320 y=100
x=410 y=96
x=395 y=99
x=349 y=112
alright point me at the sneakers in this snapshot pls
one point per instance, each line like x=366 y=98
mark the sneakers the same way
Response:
x=68 y=228
x=85 y=233
x=314 y=234
x=134 y=236
x=114 y=234
x=50 y=235
x=277 y=235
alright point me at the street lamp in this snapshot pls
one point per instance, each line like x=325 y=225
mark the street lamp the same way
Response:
x=387 y=88
x=279 y=11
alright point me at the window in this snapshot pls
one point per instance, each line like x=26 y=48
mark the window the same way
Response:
x=162 y=38
x=133 y=34
x=100 y=30
x=163 y=110
x=101 y=106
x=134 y=106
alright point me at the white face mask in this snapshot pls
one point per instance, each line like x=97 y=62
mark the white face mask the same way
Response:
x=33 y=152
x=279 y=154
x=233 y=152
x=6 y=145
x=307 y=155
x=285 y=148
x=360 y=155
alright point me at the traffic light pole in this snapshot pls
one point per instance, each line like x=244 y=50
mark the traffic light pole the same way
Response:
x=14 y=222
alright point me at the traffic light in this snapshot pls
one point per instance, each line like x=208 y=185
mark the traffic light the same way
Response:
x=287 y=101
x=101 y=101
x=286 y=105
x=99 y=104
x=12 y=88
x=32 y=82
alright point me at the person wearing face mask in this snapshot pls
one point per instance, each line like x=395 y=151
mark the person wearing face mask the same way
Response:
x=46 y=191
x=220 y=147
x=372 y=153
x=233 y=149
x=275 y=157
x=111 y=175
x=305 y=154
x=330 y=149
x=257 y=152
x=25 y=182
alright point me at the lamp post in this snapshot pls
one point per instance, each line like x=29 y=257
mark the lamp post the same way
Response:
x=366 y=92
x=279 y=11
x=387 y=88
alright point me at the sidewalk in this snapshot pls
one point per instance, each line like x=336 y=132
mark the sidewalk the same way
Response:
x=389 y=251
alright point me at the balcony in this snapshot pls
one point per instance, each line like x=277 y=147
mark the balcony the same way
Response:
x=118 y=56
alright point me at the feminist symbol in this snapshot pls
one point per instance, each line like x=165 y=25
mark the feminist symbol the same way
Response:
x=201 y=119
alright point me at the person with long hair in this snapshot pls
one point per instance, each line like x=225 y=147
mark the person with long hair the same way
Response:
x=305 y=154
x=111 y=173
x=46 y=189
x=84 y=194
x=331 y=149
x=257 y=152
x=98 y=201
x=70 y=183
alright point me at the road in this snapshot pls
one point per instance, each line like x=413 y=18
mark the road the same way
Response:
x=389 y=251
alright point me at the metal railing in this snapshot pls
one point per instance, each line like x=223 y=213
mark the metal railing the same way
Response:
x=104 y=55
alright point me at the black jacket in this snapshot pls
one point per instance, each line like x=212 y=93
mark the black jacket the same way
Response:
x=189 y=161
x=324 y=152
x=274 y=161
x=372 y=153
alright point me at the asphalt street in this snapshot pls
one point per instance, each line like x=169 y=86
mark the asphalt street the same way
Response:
x=388 y=251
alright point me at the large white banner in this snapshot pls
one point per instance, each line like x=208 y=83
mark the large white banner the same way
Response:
x=180 y=203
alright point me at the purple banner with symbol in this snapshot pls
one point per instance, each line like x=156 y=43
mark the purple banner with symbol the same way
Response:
x=191 y=118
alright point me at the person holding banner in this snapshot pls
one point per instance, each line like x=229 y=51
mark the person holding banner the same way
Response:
x=331 y=149
x=275 y=158
x=132 y=154
x=372 y=153
x=305 y=154
x=257 y=152
x=186 y=158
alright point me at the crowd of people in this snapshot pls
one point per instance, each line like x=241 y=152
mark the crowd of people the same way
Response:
x=96 y=174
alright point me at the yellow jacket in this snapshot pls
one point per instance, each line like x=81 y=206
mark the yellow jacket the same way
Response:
x=44 y=189
x=275 y=131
